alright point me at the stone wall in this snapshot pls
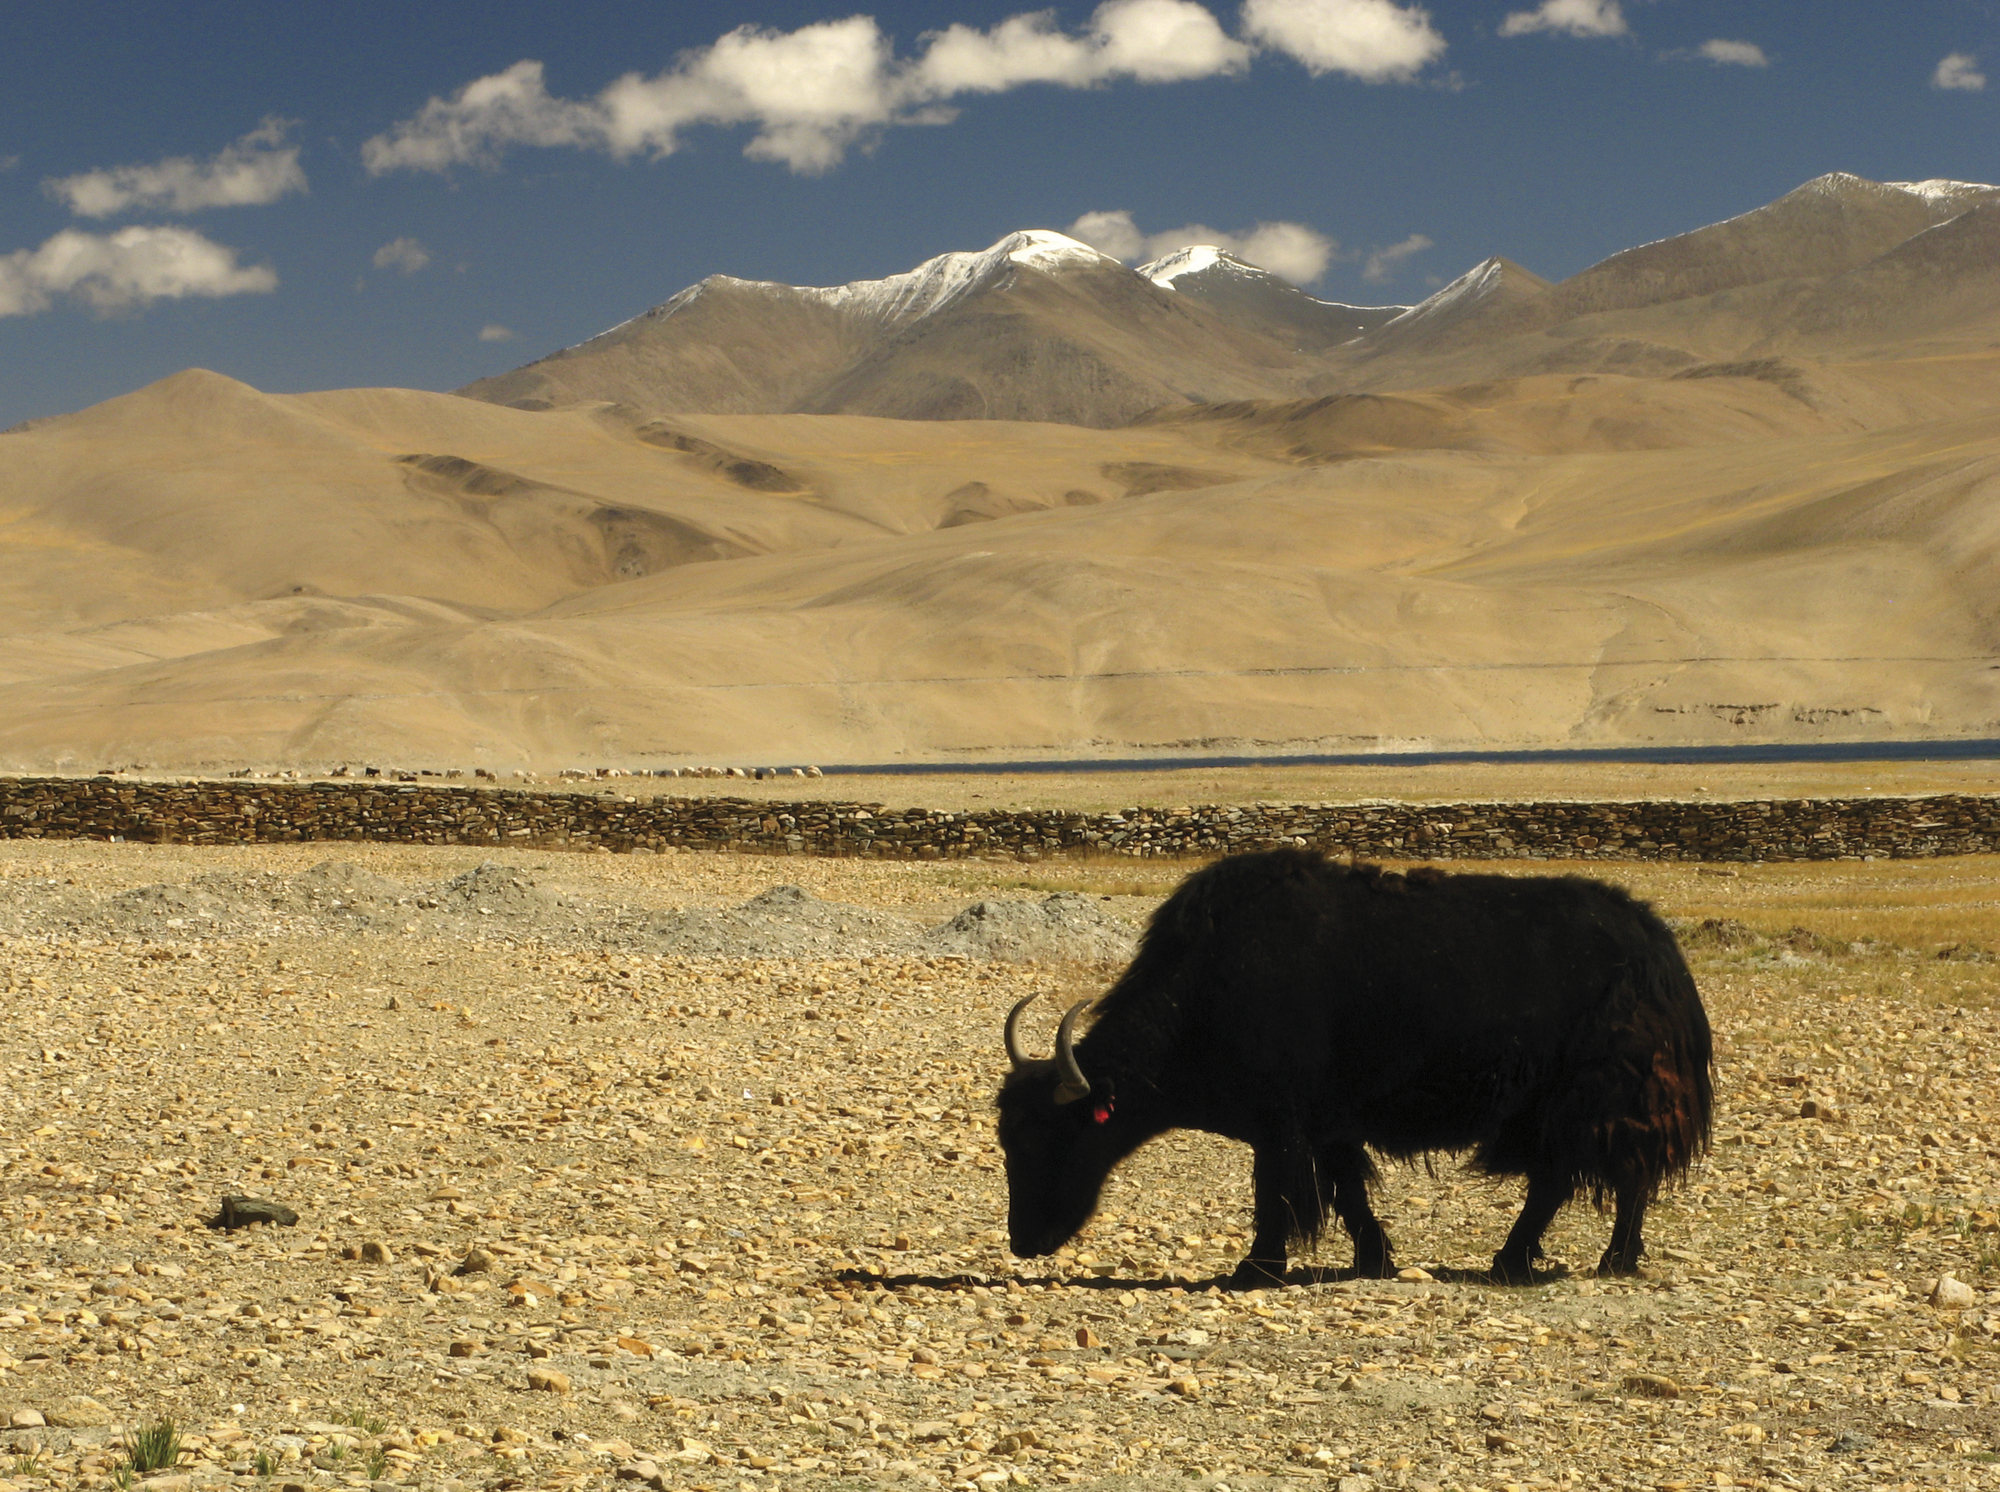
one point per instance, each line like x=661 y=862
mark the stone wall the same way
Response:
x=196 y=812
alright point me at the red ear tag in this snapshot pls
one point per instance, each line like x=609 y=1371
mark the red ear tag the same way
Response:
x=1101 y=1113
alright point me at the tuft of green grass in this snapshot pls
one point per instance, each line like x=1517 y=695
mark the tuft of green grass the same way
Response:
x=363 y=1421
x=154 y=1447
x=378 y=1464
x=26 y=1466
x=264 y=1465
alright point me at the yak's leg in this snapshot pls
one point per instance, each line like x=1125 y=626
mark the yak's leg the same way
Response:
x=1290 y=1204
x=1350 y=1171
x=1626 y=1243
x=1514 y=1264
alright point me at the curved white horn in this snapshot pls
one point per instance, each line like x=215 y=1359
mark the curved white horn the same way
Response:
x=1014 y=1053
x=1074 y=1084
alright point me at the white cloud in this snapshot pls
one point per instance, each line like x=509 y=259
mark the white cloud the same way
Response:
x=1298 y=253
x=493 y=331
x=1115 y=233
x=257 y=169
x=812 y=94
x=1959 y=71
x=1383 y=264
x=1373 y=40
x=113 y=272
x=1733 y=53
x=405 y=254
x=1571 y=17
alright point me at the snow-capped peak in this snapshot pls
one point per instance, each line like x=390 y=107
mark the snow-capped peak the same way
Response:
x=930 y=287
x=936 y=283
x=1191 y=260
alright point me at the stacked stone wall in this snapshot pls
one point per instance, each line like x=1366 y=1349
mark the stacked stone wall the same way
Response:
x=205 y=812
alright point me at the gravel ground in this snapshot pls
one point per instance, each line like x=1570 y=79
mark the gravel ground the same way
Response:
x=681 y=1170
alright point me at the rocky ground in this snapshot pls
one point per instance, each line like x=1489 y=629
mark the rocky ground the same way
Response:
x=681 y=1170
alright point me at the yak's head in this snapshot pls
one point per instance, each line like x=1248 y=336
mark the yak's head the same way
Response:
x=1056 y=1132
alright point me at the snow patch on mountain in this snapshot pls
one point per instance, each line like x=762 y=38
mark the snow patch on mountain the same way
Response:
x=1943 y=192
x=923 y=291
x=1191 y=260
x=936 y=283
x=1475 y=285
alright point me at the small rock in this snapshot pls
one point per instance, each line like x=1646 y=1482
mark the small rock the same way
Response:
x=464 y=1348
x=477 y=1261
x=548 y=1381
x=1188 y=1387
x=240 y=1211
x=642 y=1471
x=395 y=1002
x=1499 y=1440
x=1415 y=1276
x=1812 y=1108
x=1085 y=1337
x=27 y=1419
x=377 y=1253
x=1651 y=1386
x=1953 y=1295
x=79 y=1413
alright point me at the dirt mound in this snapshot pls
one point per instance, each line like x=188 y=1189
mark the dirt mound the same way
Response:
x=158 y=908
x=340 y=887
x=783 y=922
x=1064 y=926
x=493 y=889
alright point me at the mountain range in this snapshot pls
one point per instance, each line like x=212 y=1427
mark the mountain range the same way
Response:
x=1041 y=327
x=1736 y=486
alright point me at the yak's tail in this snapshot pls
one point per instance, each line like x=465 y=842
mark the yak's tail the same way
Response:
x=1666 y=1063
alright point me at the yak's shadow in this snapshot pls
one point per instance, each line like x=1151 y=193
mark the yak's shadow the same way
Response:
x=1305 y=1274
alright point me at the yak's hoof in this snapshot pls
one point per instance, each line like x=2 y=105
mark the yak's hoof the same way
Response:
x=1375 y=1267
x=1506 y=1271
x=1257 y=1274
x=1611 y=1266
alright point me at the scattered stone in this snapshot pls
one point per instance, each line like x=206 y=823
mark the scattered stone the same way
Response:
x=1650 y=1386
x=548 y=1380
x=78 y=1412
x=1415 y=1276
x=477 y=1261
x=374 y=1252
x=27 y=1419
x=1953 y=1295
x=240 y=1211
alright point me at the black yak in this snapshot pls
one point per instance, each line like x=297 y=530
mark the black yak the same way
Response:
x=1546 y=1024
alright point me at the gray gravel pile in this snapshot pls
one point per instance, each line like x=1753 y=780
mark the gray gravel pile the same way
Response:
x=514 y=902
x=784 y=922
x=1059 y=927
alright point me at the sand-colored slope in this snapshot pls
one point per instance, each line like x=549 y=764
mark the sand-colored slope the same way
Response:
x=1764 y=553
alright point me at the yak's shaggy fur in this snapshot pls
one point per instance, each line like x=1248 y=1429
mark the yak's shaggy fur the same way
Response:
x=1547 y=1025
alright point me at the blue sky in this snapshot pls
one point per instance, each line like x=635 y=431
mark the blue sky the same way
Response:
x=301 y=195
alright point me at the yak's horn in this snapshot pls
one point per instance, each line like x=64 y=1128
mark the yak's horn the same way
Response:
x=1014 y=1053
x=1074 y=1084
